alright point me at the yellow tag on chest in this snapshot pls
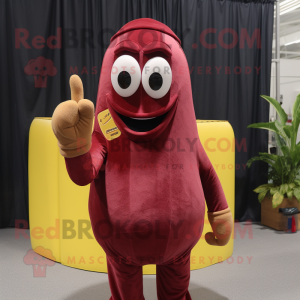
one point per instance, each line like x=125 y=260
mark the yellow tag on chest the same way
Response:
x=108 y=125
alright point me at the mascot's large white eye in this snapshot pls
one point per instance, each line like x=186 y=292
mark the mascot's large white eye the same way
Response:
x=125 y=75
x=157 y=77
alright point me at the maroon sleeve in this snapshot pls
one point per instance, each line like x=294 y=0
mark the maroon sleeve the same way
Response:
x=213 y=191
x=84 y=169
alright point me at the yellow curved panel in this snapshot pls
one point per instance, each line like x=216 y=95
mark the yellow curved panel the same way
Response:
x=43 y=187
x=58 y=209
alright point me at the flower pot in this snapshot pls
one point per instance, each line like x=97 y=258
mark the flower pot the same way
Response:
x=271 y=217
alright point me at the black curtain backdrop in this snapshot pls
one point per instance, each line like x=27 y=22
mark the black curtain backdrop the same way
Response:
x=228 y=45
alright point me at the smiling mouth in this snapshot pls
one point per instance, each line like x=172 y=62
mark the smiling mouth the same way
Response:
x=142 y=124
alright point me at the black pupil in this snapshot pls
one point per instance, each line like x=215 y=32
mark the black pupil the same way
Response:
x=155 y=81
x=124 y=80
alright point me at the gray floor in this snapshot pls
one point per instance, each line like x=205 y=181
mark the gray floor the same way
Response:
x=273 y=272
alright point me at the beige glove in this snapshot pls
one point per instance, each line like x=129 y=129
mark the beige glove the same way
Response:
x=72 y=122
x=221 y=223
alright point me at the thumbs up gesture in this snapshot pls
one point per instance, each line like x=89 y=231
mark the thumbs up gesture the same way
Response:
x=72 y=122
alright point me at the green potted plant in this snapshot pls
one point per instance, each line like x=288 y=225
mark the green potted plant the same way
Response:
x=283 y=189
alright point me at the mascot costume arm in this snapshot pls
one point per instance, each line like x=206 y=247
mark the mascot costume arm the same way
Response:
x=219 y=214
x=72 y=124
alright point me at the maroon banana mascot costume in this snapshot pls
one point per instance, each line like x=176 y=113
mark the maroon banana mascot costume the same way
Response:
x=148 y=171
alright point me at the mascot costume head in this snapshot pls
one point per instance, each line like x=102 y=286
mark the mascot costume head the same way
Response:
x=149 y=173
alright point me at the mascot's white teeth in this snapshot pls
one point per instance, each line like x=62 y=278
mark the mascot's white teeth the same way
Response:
x=143 y=118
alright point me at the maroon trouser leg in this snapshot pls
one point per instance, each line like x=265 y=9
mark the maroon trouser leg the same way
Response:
x=172 y=280
x=125 y=280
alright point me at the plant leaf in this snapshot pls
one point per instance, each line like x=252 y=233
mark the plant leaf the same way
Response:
x=263 y=187
x=282 y=132
x=274 y=190
x=267 y=125
x=295 y=155
x=279 y=140
x=296 y=192
x=283 y=188
x=297 y=181
x=290 y=194
x=273 y=157
x=262 y=158
x=288 y=130
x=291 y=186
x=296 y=119
x=275 y=161
x=285 y=150
x=277 y=199
x=262 y=195
x=281 y=113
